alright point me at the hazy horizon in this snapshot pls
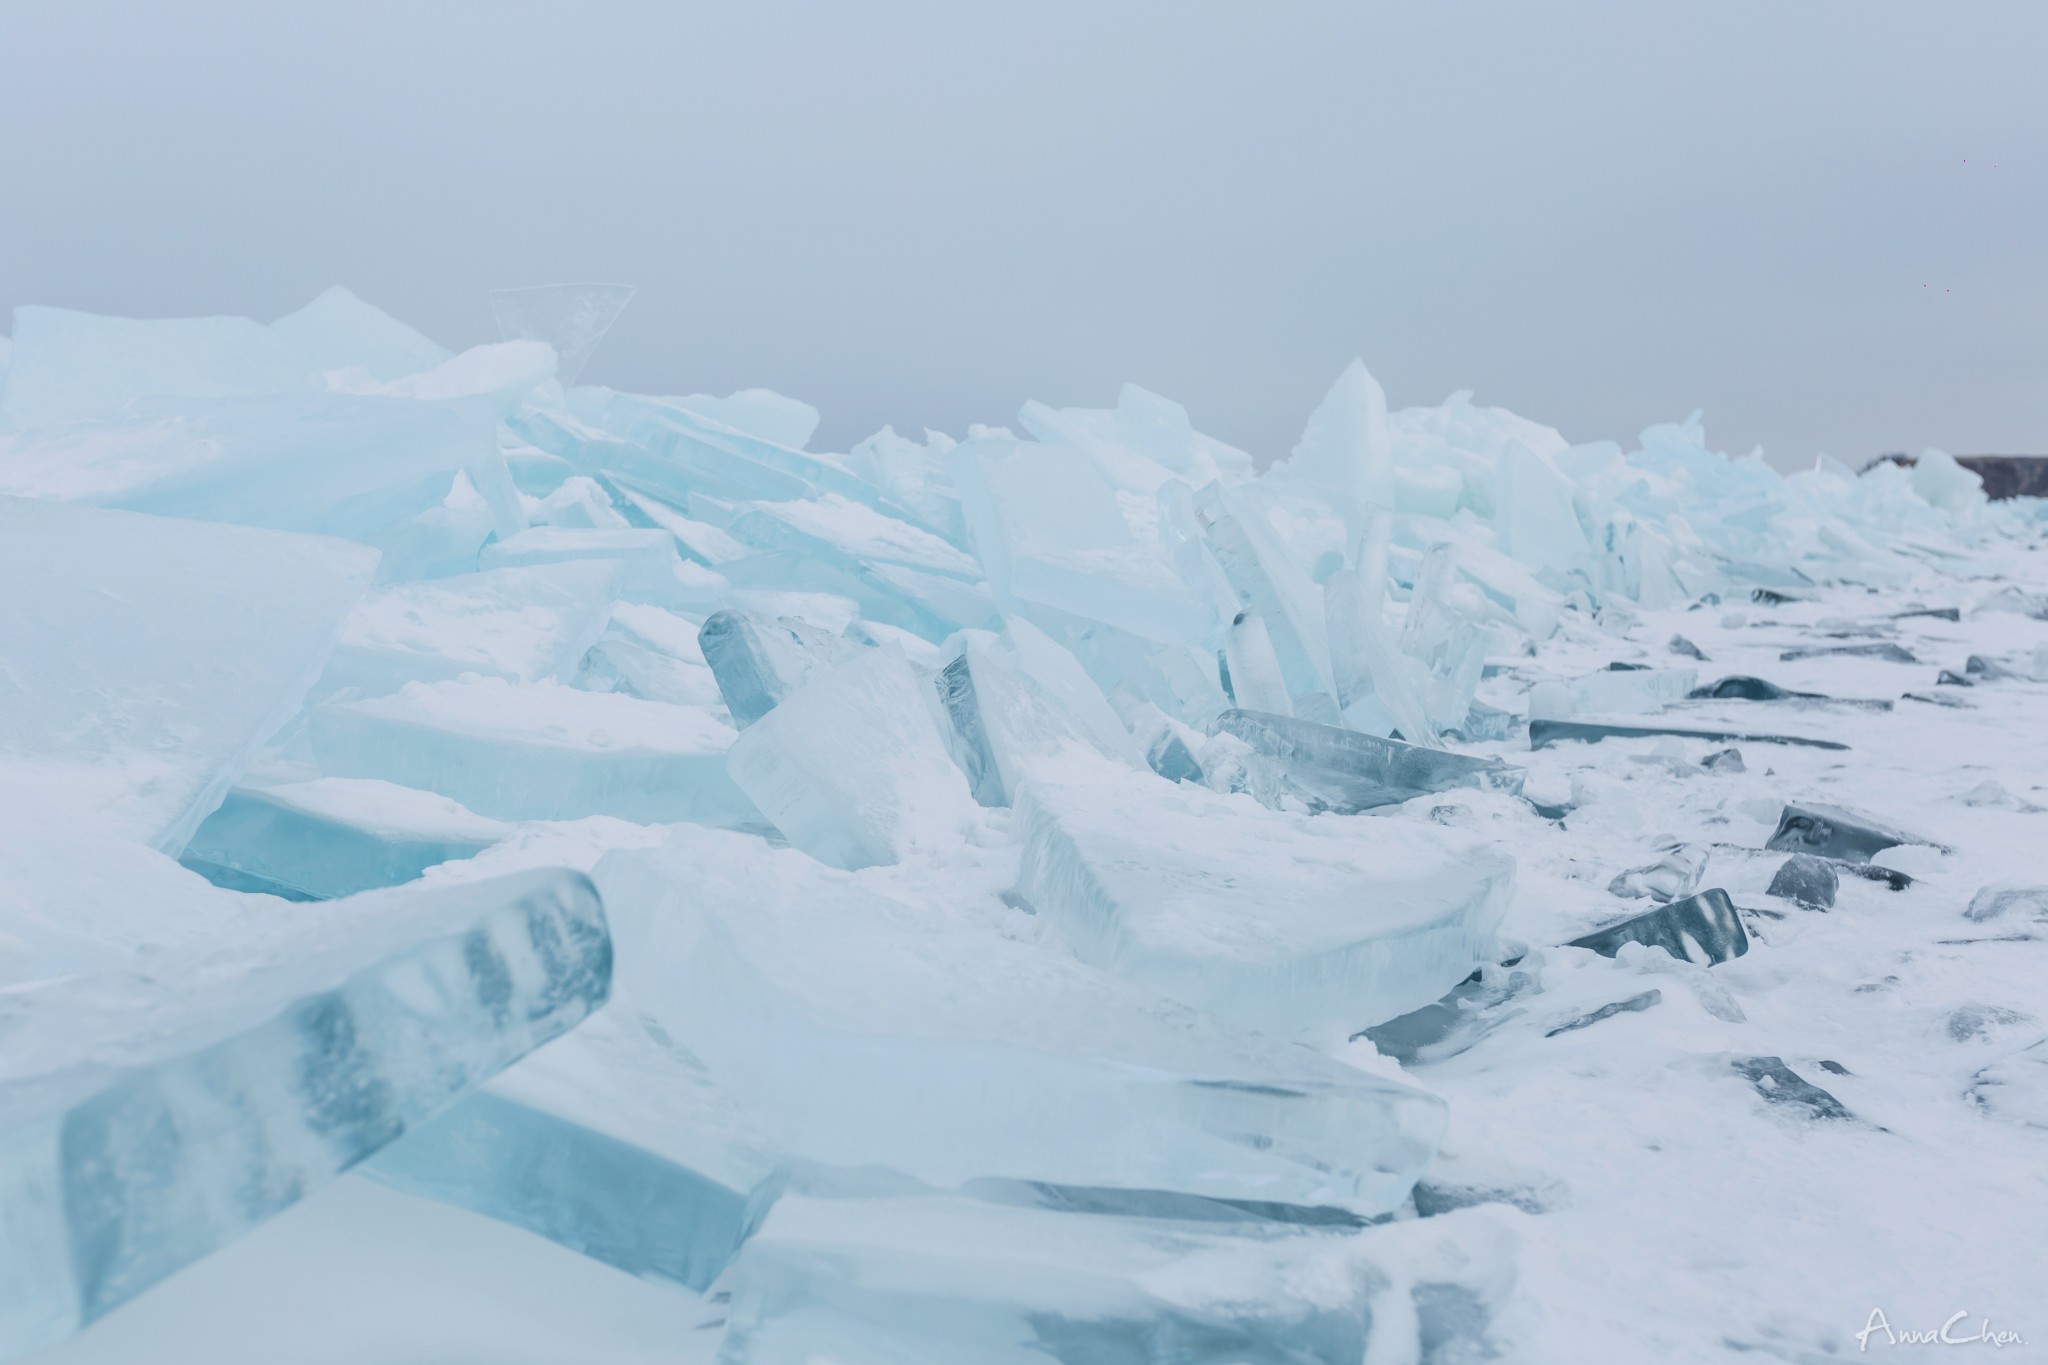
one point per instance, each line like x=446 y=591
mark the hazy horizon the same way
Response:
x=1827 y=226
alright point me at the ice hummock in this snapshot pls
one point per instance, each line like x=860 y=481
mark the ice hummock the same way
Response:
x=1038 y=620
x=145 y=659
x=144 y=1120
x=1298 y=926
x=866 y=1031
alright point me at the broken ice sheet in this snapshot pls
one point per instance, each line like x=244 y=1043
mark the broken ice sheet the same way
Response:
x=145 y=1120
x=1329 y=768
x=935 y=1281
x=572 y=318
x=611 y=1141
x=1636 y=691
x=852 y=767
x=1019 y=699
x=1835 y=832
x=1702 y=928
x=144 y=658
x=1299 y=926
x=1543 y=733
x=537 y=752
x=1467 y=1013
x=1048 y=529
x=332 y=836
x=333 y=464
x=759 y=660
x=867 y=1031
x=522 y=624
x=68 y=365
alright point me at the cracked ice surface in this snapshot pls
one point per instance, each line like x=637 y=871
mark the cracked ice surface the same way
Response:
x=1074 y=895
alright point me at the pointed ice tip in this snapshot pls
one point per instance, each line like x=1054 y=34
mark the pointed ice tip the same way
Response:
x=573 y=318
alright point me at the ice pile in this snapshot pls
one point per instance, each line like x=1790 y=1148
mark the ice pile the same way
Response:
x=1001 y=843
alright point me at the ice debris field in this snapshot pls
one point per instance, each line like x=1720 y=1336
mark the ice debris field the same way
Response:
x=1070 y=893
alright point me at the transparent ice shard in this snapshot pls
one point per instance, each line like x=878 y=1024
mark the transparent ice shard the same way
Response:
x=1439 y=636
x=336 y=464
x=538 y=752
x=1004 y=723
x=339 y=332
x=1675 y=874
x=652 y=654
x=1886 y=650
x=332 y=836
x=1379 y=689
x=1534 y=516
x=144 y=1121
x=1703 y=929
x=650 y=569
x=68 y=365
x=1298 y=926
x=1347 y=772
x=1543 y=733
x=522 y=624
x=1271 y=586
x=1018 y=700
x=867 y=1031
x=1048 y=529
x=611 y=1141
x=1251 y=669
x=572 y=318
x=760 y=660
x=144 y=659
x=935 y=1281
x=1781 y=1085
x=1744 y=688
x=1810 y=881
x=852 y=766
x=1836 y=832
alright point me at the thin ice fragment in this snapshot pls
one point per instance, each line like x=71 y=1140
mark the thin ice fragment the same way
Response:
x=1346 y=772
x=1702 y=928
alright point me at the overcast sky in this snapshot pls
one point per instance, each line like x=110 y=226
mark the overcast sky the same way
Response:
x=1824 y=223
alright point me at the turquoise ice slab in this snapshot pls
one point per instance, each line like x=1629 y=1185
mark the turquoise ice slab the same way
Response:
x=146 y=1120
x=612 y=1142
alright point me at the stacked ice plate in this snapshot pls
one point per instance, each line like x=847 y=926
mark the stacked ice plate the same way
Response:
x=928 y=894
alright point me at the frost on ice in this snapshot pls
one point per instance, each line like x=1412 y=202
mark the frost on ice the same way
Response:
x=1063 y=886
